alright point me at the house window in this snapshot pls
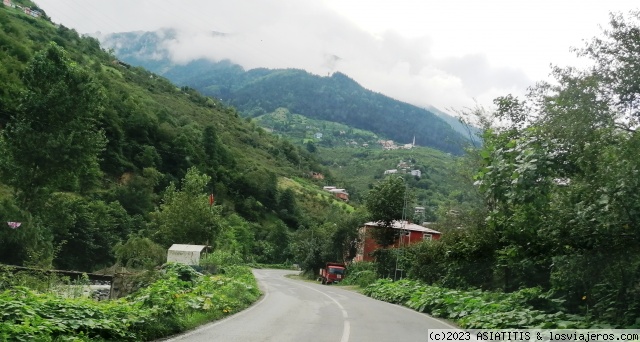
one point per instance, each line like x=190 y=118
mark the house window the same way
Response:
x=427 y=236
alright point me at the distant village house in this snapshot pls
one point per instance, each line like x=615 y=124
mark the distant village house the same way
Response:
x=26 y=10
x=338 y=193
x=388 y=144
x=341 y=194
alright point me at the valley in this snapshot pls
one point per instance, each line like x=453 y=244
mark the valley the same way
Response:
x=113 y=151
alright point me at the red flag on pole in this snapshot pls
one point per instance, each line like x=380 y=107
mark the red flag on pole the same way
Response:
x=211 y=199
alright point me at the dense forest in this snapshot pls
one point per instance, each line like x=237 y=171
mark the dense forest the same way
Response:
x=336 y=98
x=99 y=156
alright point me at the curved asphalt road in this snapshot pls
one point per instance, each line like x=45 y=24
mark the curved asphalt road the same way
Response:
x=293 y=310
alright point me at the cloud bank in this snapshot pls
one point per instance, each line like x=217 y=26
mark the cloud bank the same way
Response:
x=305 y=35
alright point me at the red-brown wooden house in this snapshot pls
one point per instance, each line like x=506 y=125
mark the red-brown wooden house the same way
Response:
x=410 y=233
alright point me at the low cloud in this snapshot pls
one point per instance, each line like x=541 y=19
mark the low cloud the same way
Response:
x=390 y=64
x=307 y=35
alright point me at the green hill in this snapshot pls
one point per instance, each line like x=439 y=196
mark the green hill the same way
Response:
x=147 y=133
x=336 y=98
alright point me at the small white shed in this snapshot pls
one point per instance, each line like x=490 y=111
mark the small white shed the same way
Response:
x=186 y=254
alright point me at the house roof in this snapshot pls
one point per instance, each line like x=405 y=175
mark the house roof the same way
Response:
x=338 y=190
x=406 y=226
x=187 y=248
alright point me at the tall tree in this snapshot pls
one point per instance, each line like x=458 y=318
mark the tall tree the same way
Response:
x=560 y=182
x=385 y=203
x=185 y=215
x=52 y=142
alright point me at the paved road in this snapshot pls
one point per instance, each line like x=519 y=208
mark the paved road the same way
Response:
x=297 y=311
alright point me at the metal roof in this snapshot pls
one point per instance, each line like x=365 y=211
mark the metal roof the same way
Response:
x=406 y=226
x=187 y=248
x=338 y=190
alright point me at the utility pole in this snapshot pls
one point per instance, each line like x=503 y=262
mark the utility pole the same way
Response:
x=403 y=231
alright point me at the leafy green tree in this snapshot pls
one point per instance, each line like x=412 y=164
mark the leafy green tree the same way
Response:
x=139 y=252
x=345 y=238
x=52 y=142
x=236 y=236
x=288 y=207
x=30 y=243
x=385 y=203
x=136 y=192
x=84 y=231
x=279 y=237
x=311 y=147
x=312 y=248
x=559 y=181
x=185 y=215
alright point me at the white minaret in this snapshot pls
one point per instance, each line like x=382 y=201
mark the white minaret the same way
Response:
x=414 y=141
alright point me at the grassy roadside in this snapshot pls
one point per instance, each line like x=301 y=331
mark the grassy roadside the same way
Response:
x=180 y=300
x=476 y=309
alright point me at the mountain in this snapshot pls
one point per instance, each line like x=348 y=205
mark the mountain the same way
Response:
x=254 y=92
x=471 y=132
x=142 y=134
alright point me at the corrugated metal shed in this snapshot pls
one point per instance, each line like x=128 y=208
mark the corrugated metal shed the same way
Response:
x=186 y=254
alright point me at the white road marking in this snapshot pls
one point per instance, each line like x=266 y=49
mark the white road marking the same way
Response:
x=346 y=328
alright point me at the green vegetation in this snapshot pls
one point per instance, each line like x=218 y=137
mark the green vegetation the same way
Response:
x=557 y=213
x=96 y=152
x=105 y=166
x=361 y=274
x=386 y=203
x=301 y=129
x=114 y=164
x=357 y=161
x=179 y=300
x=527 y=308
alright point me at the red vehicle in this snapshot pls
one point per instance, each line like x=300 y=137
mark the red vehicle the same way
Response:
x=332 y=273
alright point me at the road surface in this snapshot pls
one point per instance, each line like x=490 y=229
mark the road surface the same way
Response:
x=297 y=311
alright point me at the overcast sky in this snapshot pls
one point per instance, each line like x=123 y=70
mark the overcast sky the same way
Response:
x=446 y=53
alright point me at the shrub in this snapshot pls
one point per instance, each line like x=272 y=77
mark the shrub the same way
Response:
x=476 y=309
x=140 y=252
x=212 y=262
x=361 y=274
x=177 y=301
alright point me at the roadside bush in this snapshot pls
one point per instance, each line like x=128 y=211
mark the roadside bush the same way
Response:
x=212 y=262
x=181 y=299
x=139 y=252
x=476 y=309
x=361 y=274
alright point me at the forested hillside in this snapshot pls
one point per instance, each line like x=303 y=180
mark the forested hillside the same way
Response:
x=96 y=152
x=254 y=92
